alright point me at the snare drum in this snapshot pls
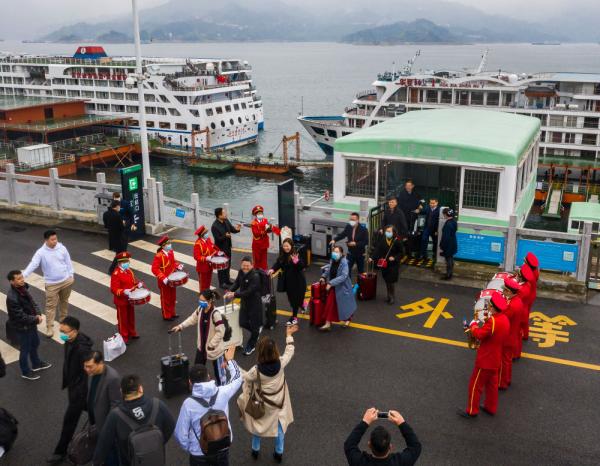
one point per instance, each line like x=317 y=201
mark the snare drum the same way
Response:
x=139 y=296
x=502 y=275
x=219 y=262
x=178 y=278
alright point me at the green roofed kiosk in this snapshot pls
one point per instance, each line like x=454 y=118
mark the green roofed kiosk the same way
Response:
x=481 y=162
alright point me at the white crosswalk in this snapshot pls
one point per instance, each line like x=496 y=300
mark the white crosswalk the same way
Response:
x=181 y=257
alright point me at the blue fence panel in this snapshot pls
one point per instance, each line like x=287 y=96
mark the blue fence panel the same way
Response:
x=560 y=257
x=480 y=248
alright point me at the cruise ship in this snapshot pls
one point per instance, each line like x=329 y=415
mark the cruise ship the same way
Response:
x=193 y=102
x=568 y=105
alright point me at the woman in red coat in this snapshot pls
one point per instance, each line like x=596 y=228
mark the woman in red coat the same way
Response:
x=163 y=265
x=204 y=249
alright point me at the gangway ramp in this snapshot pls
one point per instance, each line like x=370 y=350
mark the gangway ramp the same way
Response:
x=553 y=202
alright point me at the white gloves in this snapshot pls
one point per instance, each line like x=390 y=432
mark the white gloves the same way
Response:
x=140 y=285
x=127 y=292
x=166 y=281
x=180 y=267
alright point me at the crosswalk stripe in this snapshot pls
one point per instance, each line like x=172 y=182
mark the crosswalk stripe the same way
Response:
x=41 y=326
x=104 y=279
x=139 y=266
x=184 y=258
x=91 y=306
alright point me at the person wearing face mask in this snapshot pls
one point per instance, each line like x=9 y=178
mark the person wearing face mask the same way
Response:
x=163 y=265
x=340 y=304
x=357 y=238
x=211 y=330
x=122 y=283
x=386 y=255
x=260 y=238
x=74 y=379
x=204 y=249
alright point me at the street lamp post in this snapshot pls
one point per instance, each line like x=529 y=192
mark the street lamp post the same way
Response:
x=139 y=77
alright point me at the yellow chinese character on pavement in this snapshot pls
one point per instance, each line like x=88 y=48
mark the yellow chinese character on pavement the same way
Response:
x=548 y=331
x=424 y=306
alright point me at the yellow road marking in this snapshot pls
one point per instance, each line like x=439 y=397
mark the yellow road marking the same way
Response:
x=460 y=344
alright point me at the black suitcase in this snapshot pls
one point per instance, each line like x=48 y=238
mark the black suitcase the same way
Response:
x=11 y=335
x=270 y=305
x=174 y=372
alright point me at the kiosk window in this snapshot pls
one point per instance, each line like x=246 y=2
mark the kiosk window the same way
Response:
x=481 y=190
x=360 y=178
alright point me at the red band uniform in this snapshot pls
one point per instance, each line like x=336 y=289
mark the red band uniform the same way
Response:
x=532 y=262
x=163 y=265
x=514 y=313
x=120 y=281
x=260 y=239
x=487 y=363
x=527 y=295
x=203 y=249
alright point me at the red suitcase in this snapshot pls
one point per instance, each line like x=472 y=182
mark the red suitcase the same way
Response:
x=318 y=297
x=367 y=286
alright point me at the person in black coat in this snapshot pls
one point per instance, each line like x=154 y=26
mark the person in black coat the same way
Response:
x=117 y=231
x=395 y=217
x=292 y=279
x=222 y=229
x=247 y=288
x=357 y=237
x=74 y=379
x=448 y=244
x=388 y=248
x=432 y=221
x=24 y=316
x=410 y=203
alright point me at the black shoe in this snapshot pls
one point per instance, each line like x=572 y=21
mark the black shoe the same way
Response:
x=486 y=411
x=30 y=376
x=56 y=458
x=445 y=277
x=254 y=454
x=249 y=351
x=135 y=337
x=502 y=389
x=278 y=457
x=463 y=413
x=43 y=366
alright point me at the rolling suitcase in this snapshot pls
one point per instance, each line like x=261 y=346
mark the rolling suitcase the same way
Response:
x=270 y=304
x=367 y=283
x=174 y=371
x=318 y=297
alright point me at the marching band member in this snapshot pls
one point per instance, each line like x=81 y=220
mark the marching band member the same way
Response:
x=514 y=313
x=532 y=261
x=163 y=265
x=204 y=249
x=260 y=238
x=122 y=283
x=487 y=364
x=525 y=293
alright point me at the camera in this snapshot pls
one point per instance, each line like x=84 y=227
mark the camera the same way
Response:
x=383 y=414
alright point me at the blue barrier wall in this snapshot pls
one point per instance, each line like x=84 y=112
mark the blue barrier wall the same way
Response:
x=480 y=248
x=560 y=257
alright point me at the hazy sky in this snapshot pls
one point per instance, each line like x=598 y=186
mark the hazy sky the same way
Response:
x=32 y=18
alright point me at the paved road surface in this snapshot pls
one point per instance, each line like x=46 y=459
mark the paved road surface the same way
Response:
x=417 y=364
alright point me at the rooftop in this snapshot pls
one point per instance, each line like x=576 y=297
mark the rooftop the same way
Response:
x=456 y=135
x=17 y=102
x=51 y=125
x=586 y=211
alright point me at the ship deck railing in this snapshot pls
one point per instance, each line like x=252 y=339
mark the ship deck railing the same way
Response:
x=58 y=158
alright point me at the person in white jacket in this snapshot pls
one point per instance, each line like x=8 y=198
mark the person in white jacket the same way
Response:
x=205 y=392
x=58 y=272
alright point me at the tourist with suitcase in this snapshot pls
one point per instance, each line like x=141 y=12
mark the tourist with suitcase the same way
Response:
x=386 y=255
x=340 y=304
x=292 y=279
x=357 y=237
x=210 y=325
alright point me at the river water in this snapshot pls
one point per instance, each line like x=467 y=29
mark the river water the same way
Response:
x=323 y=77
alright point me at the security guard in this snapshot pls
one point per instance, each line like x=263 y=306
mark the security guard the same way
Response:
x=122 y=282
x=163 y=265
x=204 y=249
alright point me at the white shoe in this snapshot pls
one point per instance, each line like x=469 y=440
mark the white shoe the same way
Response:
x=50 y=333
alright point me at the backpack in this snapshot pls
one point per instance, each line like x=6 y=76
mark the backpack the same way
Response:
x=265 y=282
x=228 y=329
x=145 y=442
x=8 y=429
x=214 y=427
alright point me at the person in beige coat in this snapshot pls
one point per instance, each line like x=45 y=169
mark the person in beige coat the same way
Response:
x=211 y=330
x=269 y=375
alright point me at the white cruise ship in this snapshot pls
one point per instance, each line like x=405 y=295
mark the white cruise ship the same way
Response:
x=568 y=105
x=210 y=100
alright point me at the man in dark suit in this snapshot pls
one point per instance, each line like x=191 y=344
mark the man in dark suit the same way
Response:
x=432 y=220
x=117 y=232
x=448 y=244
x=74 y=379
x=104 y=393
x=222 y=229
x=410 y=203
x=394 y=216
x=357 y=237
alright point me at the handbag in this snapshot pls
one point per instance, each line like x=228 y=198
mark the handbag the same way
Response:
x=255 y=407
x=113 y=347
x=382 y=263
x=82 y=446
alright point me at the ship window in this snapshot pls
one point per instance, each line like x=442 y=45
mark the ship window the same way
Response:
x=493 y=98
x=236 y=106
x=571 y=121
x=149 y=98
x=174 y=112
x=480 y=190
x=149 y=124
x=318 y=130
x=446 y=97
x=219 y=110
x=557 y=120
x=360 y=178
x=195 y=112
x=228 y=108
x=134 y=123
x=332 y=133
x=212 y=125
x=182 y=99
x=345 y=133
x=164 y=125
x=253 y=117
x=477 y=98
x=231 y=121
x=243 y=105
x=164 y=99
x=181 y=126
x=239 y=119
x=222 y=124
x=209 y=112
x=432 y=96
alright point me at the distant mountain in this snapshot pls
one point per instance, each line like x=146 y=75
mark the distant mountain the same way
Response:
x=418 y=31
x=275 y=20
